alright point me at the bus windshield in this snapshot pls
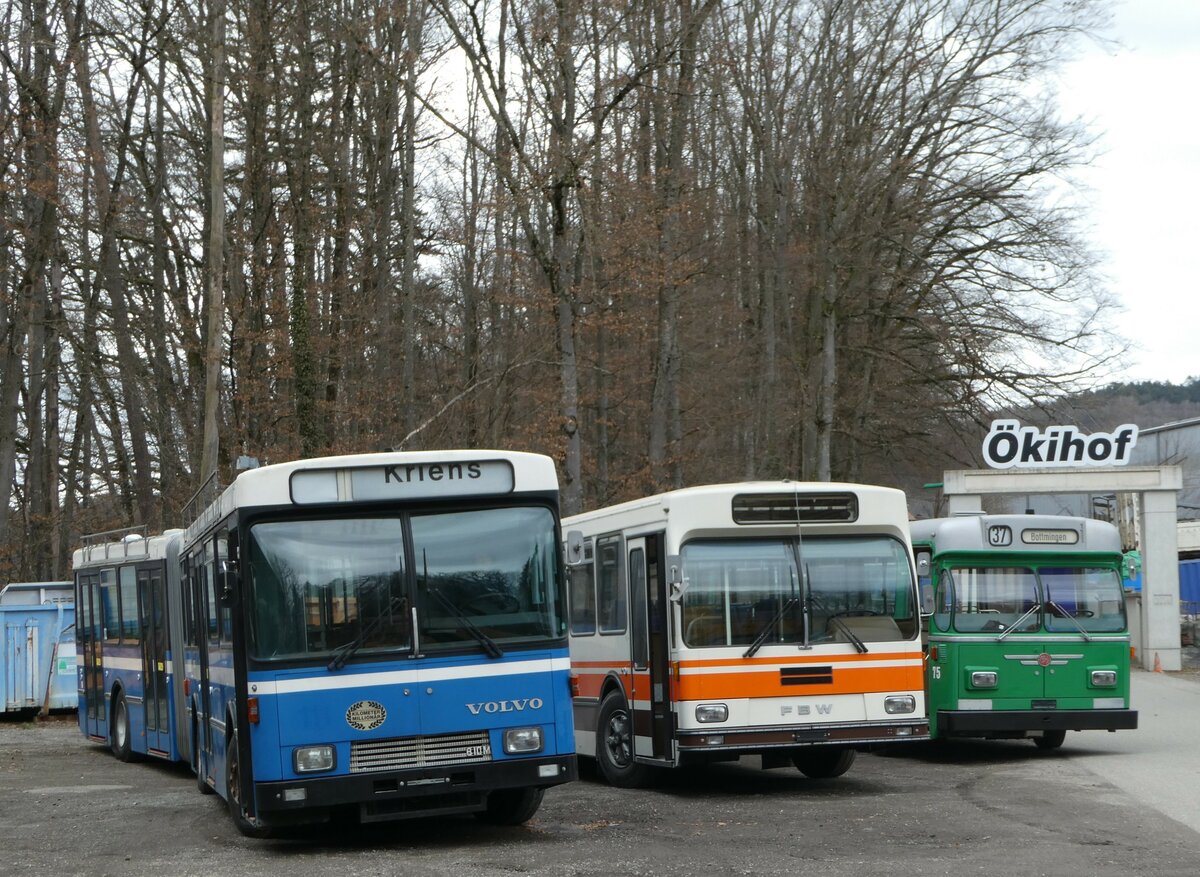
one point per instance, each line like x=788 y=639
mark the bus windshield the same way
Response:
x=492 y=572
x=819 y=589
x=1083 y=597
x=993 y=599
x=324 y=587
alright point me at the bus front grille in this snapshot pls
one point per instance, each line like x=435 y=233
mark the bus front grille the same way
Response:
x=408 y=752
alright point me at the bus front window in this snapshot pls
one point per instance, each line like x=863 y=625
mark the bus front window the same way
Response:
x=1090 y=597
x=489 y=572
x=322 y=585
x=993 y=599
x=736 y=588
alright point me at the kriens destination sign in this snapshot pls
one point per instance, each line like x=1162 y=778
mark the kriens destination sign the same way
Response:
x=1009 y=445
x=402 y=481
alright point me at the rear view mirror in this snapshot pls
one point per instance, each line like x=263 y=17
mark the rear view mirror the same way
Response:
x=675 y=576
x=923 y=564
x=574 y=547
x=927 y=599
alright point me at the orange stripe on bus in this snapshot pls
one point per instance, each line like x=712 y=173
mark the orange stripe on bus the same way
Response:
x=713 y=686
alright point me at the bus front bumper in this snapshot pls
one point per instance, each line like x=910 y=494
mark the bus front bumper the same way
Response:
x=402 y=794
x=980 y=723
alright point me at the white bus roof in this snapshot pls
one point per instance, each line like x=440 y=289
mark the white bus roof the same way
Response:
x=131 y=549
x=1057 y=533
x=398 y=475
x=753 y=506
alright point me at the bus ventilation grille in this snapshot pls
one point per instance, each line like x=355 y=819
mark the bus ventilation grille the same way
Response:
x=791 y=508
x=399 y=753
x=806 y=675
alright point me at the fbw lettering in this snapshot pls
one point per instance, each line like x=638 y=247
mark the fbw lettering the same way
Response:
x=418 y=472
x=1010 y=445
x=822 y=709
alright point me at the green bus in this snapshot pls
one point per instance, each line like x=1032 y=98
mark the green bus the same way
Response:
x=1028 y=636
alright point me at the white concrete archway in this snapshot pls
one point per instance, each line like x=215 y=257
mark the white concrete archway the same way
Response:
x=1158 y=633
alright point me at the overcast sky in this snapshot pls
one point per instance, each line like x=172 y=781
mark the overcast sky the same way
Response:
x=1143 y=196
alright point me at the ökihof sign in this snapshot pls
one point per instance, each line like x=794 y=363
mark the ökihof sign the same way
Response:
x=1008 y=445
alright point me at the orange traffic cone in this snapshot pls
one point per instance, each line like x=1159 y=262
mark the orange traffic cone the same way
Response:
x=1157 y=663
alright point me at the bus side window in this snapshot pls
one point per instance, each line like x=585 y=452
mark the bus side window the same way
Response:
x=610 y=598
x=129 y=604
x=944 y=602
x=110 y=605
x=210 y=589
x=582 y=597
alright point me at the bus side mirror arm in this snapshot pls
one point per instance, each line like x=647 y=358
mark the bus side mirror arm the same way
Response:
x=675 y=579
x=228 y=578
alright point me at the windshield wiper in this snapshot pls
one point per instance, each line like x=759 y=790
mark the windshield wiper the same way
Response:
x=488 y=644
x=1071 y=618
x=344 y=653
x=854 y=638
x=1032 y=609
x=766 y=630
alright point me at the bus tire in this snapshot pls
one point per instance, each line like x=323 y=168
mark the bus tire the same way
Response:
x=201 y=782
x=614 y=745
x=511 y=806
x=824 y=762
x=1050 y=739
x=119 y=732
x=243 y=821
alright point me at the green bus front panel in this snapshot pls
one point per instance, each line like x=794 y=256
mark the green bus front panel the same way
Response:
x=1042 y=682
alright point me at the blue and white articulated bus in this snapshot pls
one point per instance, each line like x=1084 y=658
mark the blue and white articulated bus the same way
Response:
x=381 y=634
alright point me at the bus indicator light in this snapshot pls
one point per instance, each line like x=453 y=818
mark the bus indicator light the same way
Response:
x=252 y=710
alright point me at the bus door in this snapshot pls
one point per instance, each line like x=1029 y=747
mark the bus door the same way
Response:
x=203 y=597
x=91 y=658
x=154 y=659
x=649 y=667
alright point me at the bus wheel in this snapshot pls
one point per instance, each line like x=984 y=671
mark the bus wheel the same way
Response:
x=511 y=806
x=247 y=825
x=614 y=745
x=1050 y=739
x=119 y=734
x=823 y=762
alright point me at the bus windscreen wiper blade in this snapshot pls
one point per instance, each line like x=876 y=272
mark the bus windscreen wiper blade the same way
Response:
x=1071 y=618
x=766 y=630
x=344 y=653
x=1032 y=609
x=854 y=638
x=489 y=644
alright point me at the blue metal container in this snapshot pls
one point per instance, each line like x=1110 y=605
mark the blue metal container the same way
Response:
x=37 y=661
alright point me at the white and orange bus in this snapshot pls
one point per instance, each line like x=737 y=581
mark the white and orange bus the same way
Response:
x=776 y=619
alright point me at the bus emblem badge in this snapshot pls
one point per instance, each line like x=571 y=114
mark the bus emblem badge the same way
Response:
x=366 y=715
x=1043 y=660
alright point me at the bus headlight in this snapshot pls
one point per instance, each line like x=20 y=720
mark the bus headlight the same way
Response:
x=899 y=703
x=712 y=712
x=1104 y=678
x=312 y=759
x=518 y=741
x=984 y=679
